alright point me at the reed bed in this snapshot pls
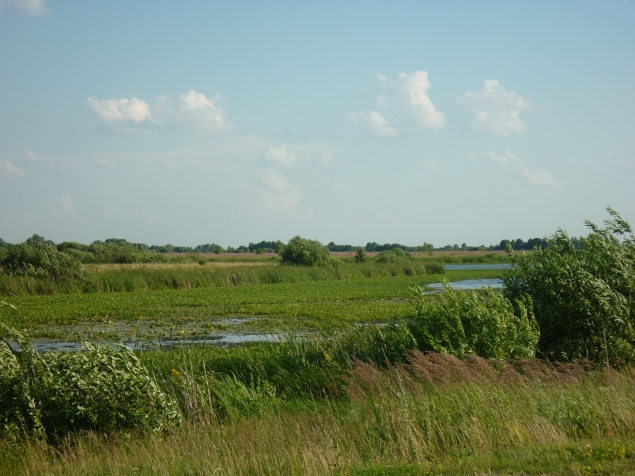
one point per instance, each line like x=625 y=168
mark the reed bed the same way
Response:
x=158 y=278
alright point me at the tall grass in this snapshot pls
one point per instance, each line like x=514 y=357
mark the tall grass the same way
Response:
x=146 y=279
x=428 y=412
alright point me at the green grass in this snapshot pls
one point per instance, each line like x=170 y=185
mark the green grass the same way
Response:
x=291 y=306
x=157 y=278
x=436 y=415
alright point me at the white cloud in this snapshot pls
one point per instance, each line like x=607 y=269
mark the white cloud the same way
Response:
x=373 y=121
x=31 y=7
x=406 y=103
x=431 y=164
x=113 y=110
x=339 y=186
x=327 y=158
x=282 y=154
x=64 y=205
x=204 y=111
x=192 y=108
x=277 y=183
x=541 y=178
x=408 y=93
x=495 y=109
x=33 y=157
x=8 y=169
x=505 y=159
x=280 y=197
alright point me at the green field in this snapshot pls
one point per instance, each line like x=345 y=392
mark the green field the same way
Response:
x=306 y=305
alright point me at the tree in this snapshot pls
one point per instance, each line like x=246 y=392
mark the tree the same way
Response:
x=303 y=252
x=360 y=254
x=37 y=257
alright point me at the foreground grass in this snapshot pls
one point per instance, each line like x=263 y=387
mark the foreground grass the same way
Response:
x=307 y=305
x=433 y=415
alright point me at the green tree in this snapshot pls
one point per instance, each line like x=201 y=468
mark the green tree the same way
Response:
x=37 y=257
x=303 y=252
x=360 y=254
x=582 y=299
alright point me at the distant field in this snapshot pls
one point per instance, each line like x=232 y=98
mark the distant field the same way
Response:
x=342 y=254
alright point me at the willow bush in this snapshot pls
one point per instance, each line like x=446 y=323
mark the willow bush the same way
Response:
x=470 y=323
x=101 y=388
x=582 y=299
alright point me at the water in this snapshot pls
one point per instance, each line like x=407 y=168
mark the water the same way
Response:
x=470 y=284
x=220 y=340
x=477 y=266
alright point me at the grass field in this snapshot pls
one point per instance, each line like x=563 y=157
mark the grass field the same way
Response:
x=308 y=305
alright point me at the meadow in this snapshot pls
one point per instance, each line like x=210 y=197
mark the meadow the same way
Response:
x=360 y=380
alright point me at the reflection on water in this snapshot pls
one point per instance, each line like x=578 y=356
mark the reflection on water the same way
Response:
x=477 y=266
x=221 y=340
x=470 y=284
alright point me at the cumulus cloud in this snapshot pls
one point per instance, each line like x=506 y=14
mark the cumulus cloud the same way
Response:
x=114 y=110
x=277 y=183
x=374 y=121
x=339 y=186
x=204 y=111
x=505 y=159
x=407 y=104
x=8 y=169
x=431 y=164
x=64 y=205
x=31 y=7
x=283 y=154
x=541 y=178
x=495 y=109
x=191 y=108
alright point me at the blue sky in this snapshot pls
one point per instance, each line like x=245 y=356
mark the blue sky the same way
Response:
x=350 y=122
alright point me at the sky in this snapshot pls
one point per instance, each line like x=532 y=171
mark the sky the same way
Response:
x=236 y=122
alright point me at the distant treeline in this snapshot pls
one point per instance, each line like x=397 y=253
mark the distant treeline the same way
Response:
x=120 y=250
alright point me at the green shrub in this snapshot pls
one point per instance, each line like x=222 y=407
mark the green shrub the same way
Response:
x=40 y=259
x=360 y=254
x=434 y=268
x=484 y=324
x=303 y=252
x=583 y=300
x=101 y=388
x=395 y=255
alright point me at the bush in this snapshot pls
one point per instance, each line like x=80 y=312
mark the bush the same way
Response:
x=395 y=255
x=462 y=323
x=40 y=259
x=101 y=388
x=360 y=254
x=583 y=299
x=434 y=268
x=303 y=252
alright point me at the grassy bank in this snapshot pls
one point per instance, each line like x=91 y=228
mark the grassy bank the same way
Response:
x=431 y=415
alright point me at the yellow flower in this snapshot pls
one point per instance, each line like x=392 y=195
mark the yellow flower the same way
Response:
x=175 y=373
